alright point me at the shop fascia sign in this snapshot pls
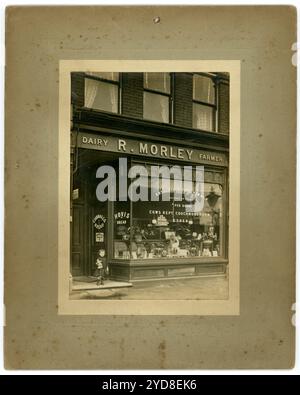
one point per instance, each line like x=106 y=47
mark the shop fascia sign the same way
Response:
x=149 y=149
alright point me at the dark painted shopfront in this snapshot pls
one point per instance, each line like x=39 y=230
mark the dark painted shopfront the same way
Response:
x=149 y=239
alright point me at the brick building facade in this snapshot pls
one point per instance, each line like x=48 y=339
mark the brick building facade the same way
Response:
x=164 y=118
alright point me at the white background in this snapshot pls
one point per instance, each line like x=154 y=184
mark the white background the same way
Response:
x=296 y=370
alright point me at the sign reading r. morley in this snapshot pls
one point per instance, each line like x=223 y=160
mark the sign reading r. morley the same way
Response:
x=150 y=149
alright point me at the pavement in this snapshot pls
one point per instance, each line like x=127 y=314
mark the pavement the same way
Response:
x=92 y=285
x=196 y=288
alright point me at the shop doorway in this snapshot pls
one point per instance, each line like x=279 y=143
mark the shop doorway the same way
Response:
x=90 y=225
x=77 y=229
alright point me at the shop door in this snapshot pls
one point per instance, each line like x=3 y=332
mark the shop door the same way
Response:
x=78 y=240
x=99 y=236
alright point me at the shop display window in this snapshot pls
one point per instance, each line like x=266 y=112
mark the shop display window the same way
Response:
x=146 y=230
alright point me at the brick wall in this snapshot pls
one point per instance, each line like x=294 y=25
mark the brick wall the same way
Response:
x=77 y=89
x=132 y=95
x=132 y=98
x=223 y=113
x=183 y=95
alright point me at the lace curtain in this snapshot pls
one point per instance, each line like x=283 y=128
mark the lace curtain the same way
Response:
x=90 y=93
x=157 y=81
x=203 y=89
x=156 y=107
x=202 y=117
x=101 y=95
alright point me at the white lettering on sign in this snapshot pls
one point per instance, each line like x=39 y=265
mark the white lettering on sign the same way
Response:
x=189 y=153
x=213 y=158
x=94 y=141
x=144 y=148
x=165 y=151
x=152 y=149
x=122 y=145
x=122 y=214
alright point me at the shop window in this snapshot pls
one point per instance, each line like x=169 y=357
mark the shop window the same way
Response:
x=157 y=97
x=122 y=221
x=101 y=91
x=204 y=103
x=146 y=230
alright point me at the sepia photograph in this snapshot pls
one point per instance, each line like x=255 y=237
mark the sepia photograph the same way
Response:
x=149 y=176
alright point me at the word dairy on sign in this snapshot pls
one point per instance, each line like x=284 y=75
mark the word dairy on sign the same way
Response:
x=94 y=141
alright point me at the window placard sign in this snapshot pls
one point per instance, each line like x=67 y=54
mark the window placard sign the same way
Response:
x=149 y=149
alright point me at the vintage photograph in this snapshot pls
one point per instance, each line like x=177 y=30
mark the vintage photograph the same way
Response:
x=149 y=185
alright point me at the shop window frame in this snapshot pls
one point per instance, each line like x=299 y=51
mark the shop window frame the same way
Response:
x=214 y=106
x=224 y=234
x=117 y=83
x=170 y=96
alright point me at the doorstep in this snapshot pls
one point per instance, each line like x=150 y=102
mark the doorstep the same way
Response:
x=108 y=284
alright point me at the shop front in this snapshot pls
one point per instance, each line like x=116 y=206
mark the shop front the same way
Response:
x=161 y=235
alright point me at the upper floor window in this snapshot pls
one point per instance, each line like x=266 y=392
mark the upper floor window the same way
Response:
x=101 y=91
x=204 y=103
x=157 y=97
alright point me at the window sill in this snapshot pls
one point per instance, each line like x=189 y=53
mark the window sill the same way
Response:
x=169 y=262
